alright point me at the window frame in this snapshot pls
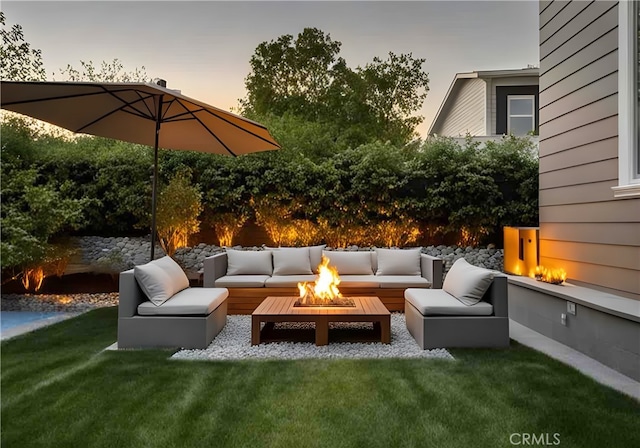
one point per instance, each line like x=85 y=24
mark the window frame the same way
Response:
x=533 y=111
x=628 y=108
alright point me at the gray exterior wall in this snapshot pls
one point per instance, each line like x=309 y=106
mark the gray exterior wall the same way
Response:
x=612 y=340
x=466 y=112
x=583 y=229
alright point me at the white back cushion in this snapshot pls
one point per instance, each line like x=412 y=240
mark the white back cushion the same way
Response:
x=249 y=262
x=291 y=261
x=161 y=279
x=179 y=279
x=350 y=263
x=398 y=262
x=315 y=256
x=466 y=282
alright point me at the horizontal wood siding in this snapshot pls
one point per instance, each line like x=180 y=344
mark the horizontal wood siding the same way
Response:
x=589 y=153
x=580 y=174
x=617 y=234
x=589 y=94
x=601 y=254
x=465 y=114
x=583 y=229
x=577 y=194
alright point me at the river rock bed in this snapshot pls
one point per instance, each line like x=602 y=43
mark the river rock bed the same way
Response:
x=68 y=303
x=117 y=254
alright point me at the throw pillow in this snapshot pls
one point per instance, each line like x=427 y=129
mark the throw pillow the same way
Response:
x=466 y=282
x=291 y=261
x=178 y=278
x=350 y=263
x=398 y=262
x=160 y=279
x=249 y=262
x=315 y=254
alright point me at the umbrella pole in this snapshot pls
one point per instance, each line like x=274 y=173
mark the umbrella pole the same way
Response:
x=154 y=193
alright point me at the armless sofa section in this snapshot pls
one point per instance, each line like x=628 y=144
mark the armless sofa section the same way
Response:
x=189 y=319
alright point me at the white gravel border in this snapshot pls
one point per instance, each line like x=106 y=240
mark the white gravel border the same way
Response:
x=234 y=343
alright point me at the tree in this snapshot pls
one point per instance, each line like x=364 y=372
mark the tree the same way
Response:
x=18 y=61
x=179 y=206
x=394 y=90
x=290 y=75
x=306 y=79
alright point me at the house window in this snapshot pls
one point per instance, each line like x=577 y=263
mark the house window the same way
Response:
x=628 y=100
x=520 y=114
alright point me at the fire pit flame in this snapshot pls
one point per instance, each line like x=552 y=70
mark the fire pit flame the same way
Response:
x=324 y=291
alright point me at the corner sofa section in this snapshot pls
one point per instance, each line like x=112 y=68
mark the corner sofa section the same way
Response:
x=187 y=318
x=470 y=311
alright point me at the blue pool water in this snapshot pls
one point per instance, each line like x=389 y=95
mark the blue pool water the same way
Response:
x=11 y=319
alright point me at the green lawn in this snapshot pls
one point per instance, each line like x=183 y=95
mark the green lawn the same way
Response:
x=59 y=390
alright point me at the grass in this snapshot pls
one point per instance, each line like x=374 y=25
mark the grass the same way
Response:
x=60 y=390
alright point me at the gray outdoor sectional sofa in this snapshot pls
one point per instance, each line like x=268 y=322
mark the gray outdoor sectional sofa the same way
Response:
x=157 y=308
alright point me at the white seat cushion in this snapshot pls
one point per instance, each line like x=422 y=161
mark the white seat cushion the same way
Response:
x=350 y=262
x=241 y=281
x=160 y=279
x=291 y=261
x=249 y=262
x=398 y=262
x=359 y=281
x=188 y=302
x=437 y=302
x=286 y=281
x=403 y=281
x=466 y=282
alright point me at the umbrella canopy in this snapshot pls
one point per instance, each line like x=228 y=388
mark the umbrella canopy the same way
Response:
x=143 y=113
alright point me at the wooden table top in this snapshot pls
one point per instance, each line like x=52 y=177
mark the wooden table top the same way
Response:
x=279 y=306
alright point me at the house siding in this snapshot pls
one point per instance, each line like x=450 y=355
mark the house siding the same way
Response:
x=583 y=229
x=466 y=113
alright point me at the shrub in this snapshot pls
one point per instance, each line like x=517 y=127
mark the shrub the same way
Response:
x=179 y=207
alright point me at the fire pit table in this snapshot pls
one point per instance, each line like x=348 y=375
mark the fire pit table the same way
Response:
x=283 y=309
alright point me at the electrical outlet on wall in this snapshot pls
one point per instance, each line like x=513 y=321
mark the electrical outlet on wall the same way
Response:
x=571 y=308
x=563 y=319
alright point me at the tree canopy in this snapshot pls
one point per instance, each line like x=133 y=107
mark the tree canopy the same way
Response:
x=305 y=77
x=18 y=61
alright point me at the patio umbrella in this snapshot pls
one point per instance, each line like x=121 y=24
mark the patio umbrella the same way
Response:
x=149 y=114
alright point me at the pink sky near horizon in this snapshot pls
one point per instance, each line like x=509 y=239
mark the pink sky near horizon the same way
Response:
x=203 y=48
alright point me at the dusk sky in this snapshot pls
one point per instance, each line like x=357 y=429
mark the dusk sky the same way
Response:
x=203 y=48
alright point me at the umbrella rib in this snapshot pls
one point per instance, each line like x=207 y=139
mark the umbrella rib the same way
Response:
x=143 y=99
x=136 y=111
x=139 y=114
x=169 y=103
x=223 y=119
x=54 y=98
x=208 y=130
